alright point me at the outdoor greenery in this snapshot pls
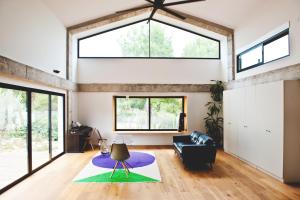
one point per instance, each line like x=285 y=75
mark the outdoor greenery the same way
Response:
x=135 y=43
x=165 y=113
x=214 y=120
x=13 y=119
x=201 y=47
x=133 y=113
x=160 y=43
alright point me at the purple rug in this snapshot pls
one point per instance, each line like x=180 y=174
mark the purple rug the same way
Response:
x=137 y=159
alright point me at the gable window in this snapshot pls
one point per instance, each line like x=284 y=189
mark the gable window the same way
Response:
x=147 y=113
x=269 y=50
x=156 y=39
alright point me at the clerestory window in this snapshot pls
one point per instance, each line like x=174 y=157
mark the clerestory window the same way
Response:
x=156 y=39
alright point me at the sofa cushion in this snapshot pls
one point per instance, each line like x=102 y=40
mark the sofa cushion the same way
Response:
x=200 y=140
x=206 y=139
x=196 y=137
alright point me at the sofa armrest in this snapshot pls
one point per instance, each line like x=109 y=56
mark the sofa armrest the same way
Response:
x=182 y=138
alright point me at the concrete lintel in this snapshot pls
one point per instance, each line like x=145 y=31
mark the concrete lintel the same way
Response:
x=291 y=72
x=98 y=87
x=11 y=68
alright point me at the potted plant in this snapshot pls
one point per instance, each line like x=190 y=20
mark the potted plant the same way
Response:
x=214 y=119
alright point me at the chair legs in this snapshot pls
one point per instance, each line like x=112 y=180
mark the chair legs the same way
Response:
x=92 y=146
x=114 y=169
x=128 y=165
x=124 y=166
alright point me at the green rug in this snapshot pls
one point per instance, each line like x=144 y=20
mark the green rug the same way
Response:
x=119 y=176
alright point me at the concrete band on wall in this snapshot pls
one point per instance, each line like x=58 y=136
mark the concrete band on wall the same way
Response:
x=288 y=73
x=21 y=71
x=97 y=87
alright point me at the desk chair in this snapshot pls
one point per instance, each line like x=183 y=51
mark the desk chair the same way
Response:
x=120 y=153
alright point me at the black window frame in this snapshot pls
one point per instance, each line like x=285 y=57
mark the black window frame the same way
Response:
x=265 y=42
x=149 y=56
x=149 y=111
x=29 y=92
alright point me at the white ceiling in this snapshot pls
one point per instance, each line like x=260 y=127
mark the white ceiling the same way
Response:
x=229 y=13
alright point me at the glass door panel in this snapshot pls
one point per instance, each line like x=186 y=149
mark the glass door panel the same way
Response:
x=57 y=129
x=40 y=129
x=13 y=136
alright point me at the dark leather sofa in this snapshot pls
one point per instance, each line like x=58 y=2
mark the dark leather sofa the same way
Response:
x=195 y=149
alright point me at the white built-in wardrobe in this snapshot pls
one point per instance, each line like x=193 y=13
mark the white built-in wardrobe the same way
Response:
x=262 y=127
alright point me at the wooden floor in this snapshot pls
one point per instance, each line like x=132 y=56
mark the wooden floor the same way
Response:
x=230 y=179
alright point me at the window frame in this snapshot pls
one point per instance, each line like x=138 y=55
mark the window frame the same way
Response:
x=263 y=43
x=149 y=56
x=29 y=92
x=149 y=111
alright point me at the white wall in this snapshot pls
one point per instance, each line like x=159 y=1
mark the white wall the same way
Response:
x=96 y=110
x=31 y=34
x=148 y=71
x=269 y=16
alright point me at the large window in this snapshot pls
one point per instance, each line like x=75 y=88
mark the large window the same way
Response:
x=272 y=49
x=31 y=131
x=13 y=136
x=148 y=113
x=153 y=40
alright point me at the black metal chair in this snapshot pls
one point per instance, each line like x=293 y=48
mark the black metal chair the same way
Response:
x=90 y=139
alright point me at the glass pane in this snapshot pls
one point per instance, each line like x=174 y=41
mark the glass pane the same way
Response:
x=129 y=41
x=132 y=113
x=165 y=112
x=13 y=136
x=167 y=41
x=57 y=120
x=40 y=129
x=276 y=49
x=250 y=58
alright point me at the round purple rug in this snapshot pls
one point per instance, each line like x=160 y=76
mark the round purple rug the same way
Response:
x=137 y=159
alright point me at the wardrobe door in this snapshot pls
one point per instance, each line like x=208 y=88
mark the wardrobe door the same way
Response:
x=235 y=120
x=227 y=119
x=269 y=100
x=246 y=126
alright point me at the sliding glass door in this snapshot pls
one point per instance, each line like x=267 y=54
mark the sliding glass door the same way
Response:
x=31 y=131
x=13 y=136
x=57 y=127
x=40 y=129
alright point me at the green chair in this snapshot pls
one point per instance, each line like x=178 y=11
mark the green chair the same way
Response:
x=120 y=153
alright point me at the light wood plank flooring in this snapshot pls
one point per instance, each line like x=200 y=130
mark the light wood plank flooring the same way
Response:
x=230 y=179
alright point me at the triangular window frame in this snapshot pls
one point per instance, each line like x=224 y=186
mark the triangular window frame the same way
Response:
x=149 y=56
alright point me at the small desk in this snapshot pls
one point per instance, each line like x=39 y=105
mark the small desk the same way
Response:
x=76 y=139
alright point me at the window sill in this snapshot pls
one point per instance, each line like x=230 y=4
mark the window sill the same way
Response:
x=150 y=132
